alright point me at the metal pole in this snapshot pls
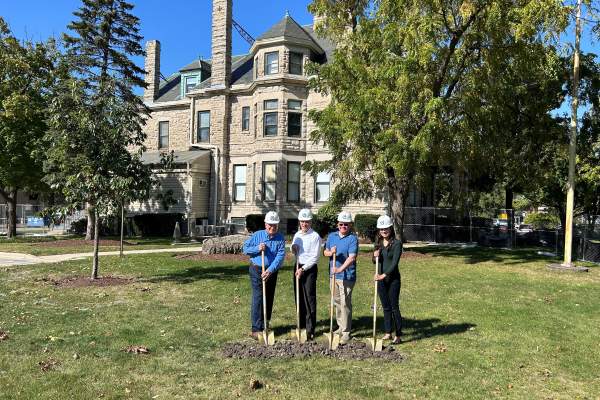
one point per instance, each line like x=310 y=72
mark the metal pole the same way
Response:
x=572 y=145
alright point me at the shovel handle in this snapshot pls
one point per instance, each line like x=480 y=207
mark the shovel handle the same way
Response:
x=264 y=293
x=297 y=295
x=375 y=301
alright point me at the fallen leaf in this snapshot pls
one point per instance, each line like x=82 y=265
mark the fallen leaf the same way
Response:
x=48 y=364
x=255 y=384
x=75 y=356
x=3 y=336
x=136 y=349
x=440 y=348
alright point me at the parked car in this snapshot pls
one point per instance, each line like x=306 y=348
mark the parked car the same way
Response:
x=524 y=228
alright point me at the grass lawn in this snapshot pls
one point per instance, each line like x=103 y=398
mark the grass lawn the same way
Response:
x=479 y=324
x=51 y=245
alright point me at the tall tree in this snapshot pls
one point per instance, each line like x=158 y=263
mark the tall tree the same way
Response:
x=25 y=76
x=96 y=117
x=400 y=80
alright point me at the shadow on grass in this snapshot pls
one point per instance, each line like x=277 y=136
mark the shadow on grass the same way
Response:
x=475 y=255
x=193 y=274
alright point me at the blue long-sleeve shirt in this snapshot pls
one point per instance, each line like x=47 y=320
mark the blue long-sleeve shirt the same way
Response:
x=274 y=249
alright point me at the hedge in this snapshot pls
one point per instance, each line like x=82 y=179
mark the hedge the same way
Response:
x=255 y=222
x=366 y=226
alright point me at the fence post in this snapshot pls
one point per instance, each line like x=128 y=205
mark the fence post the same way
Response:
x=434 y=226
x=470 y=227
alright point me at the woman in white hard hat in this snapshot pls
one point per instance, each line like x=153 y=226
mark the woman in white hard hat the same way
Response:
x=388 y=249
x=306 y=245
x=344 y=244
x=273 y=244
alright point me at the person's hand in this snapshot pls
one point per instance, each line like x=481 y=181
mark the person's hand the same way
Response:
x=299 y=272
x=333 y=249
x=262 y=247
x=336 y=270
x=376 y=253
x=380 y=277
x=265 y=275
x=295 y=248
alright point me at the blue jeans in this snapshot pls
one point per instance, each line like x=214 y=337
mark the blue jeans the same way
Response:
x=389 y=294
x=256 y=310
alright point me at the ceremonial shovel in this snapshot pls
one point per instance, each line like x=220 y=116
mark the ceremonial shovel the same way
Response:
x=267 y=338
x=299 y=334
x=374 y=343
x=333 y=340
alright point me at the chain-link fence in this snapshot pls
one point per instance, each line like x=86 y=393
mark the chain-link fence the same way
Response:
x=29 y=220
x=498 y=228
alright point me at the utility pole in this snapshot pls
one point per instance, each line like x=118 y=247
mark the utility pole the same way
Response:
x=567 y=262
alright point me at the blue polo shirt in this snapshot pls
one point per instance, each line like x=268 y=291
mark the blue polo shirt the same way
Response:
x=345 y=247
x=274 y=251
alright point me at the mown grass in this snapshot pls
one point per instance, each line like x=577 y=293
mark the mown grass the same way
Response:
x=46 y=246
x=480 y=324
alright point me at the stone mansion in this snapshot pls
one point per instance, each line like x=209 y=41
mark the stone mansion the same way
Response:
x=239 y=128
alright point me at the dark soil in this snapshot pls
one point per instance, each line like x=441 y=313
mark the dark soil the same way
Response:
x=3 y=336
x=287 y=349
x=414 y=254
x=84 y=281
x=82 y=242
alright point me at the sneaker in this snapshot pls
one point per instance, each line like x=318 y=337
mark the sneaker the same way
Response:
x=344 y=340
x=387 y=336
x=397 y=340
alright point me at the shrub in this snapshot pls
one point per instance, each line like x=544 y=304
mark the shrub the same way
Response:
x=325 y=220
x=542 y=220
x=78 y=227
x=158 y=224
x=366 y=226
x=255 y=222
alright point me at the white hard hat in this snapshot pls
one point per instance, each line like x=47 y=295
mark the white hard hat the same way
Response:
x=305 y=215
x=272 y=218
x=345 y=216
x=384 y=222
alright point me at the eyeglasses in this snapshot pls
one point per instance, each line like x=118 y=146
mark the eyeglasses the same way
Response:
x=343 y=224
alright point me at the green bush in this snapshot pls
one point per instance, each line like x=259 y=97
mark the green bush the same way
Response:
x=366 y=226
x=255 y=222
x=542 y=220
x=78 y=227
x=325 y=220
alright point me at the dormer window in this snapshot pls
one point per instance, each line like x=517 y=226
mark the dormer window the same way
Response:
x=272 y=63
x=191 y=82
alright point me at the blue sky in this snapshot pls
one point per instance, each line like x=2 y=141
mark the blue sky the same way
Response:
x=182 y=26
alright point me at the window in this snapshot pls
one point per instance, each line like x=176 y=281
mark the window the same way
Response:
x=270 y=118
x=203 y=126
x=293 y=181
x=272 y=63
x=322 y=186
x=245 y=118
x=294 y=117
x=163 y=134
x=191 y=82
x=239 y=183
x=269 y=180
x=296 y=63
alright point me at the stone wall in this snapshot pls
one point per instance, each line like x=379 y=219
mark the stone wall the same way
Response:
x=179 y=128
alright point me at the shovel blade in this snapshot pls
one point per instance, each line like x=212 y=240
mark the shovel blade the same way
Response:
x=375 y=344
x=299 y=335
x=333 y=340
x=267 y=338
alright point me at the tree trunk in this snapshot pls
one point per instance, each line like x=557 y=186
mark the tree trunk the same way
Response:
x=397 y=190
x=91 y=223
x=96 y=244
x=11 y=202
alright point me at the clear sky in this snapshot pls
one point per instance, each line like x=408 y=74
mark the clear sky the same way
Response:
x=182 y=26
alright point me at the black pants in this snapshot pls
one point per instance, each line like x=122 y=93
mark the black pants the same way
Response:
x=389 y=294
x=256 y=310
x=308 y=299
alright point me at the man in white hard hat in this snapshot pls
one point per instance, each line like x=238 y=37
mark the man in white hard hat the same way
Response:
x=306 y=245
x=344 y=244
x=273 y=245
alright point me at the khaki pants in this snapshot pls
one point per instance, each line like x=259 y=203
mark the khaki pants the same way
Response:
x=343 y=306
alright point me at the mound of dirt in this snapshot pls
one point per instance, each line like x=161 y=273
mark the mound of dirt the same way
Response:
x=287 y=349
x=414 y=254
x=84 y=281
x=82 y=242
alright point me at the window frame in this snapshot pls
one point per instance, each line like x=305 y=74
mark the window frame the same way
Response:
x=237 y=184
x=267 y=65
x=201 y=127
x=246 y=119
x=296 y=111
x=161 y=144
x=300 y=65
x=289 y=182
x=270 y=111
x=317 y=183
x=264 y=182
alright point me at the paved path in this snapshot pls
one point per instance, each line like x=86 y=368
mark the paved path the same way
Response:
x=9 y=259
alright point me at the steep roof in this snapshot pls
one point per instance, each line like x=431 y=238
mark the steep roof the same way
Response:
x=288 y=28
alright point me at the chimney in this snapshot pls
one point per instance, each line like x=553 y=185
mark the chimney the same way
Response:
x=221 y=44
x=318 y=20
x=152 y=67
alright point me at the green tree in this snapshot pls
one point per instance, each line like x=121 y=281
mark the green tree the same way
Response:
x=96 y=119
x=25 y=76
x=401 y=80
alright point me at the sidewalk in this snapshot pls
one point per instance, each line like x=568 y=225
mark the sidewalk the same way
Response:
x=10 y=259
